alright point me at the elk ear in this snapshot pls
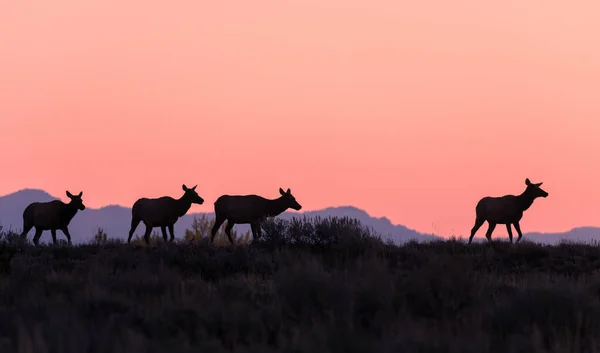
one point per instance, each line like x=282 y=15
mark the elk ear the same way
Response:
x=527 y=182
x=539 y=184
x=281 y=191
x=80 y=194
x=69 y=194
x=185 y=188
x=194 y=188
x=289 y=191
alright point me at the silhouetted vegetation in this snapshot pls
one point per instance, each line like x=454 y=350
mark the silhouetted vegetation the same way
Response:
x=308 y=285
x=200 y=231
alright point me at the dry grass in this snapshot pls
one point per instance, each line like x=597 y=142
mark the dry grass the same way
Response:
x=358 y=295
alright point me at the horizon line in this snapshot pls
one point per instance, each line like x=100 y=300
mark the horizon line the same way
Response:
x=315 y=210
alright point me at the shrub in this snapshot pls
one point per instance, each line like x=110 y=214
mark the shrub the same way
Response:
x=433 y=297
x=12 y=237
x=201 y=228
x=318 y=232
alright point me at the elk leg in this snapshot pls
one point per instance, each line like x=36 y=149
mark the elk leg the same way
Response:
x=171 y=231
x=36 y=237
x=258 y=229
x=163 y=229
x=230 y=225
x=53 y=232
x=134 y=223
x=218 y=222
x=478 y=223
x=147 y=234
x=509 y=230
x=488 y=234
x=26 y=228
x=255 y=229
x=518 y=229
x=67 y=234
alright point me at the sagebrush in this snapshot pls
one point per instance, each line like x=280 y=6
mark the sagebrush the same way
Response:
x=309 y=286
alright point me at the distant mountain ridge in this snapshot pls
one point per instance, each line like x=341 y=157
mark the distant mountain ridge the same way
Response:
x=115 y=220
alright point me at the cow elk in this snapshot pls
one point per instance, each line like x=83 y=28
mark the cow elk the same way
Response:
x=506 y=210
x=162 y=212
x=52 y=215
x=250 y=209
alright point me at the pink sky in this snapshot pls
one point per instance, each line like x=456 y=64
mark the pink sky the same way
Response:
x=412 y=110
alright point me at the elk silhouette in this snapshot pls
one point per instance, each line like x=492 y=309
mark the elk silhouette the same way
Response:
x=162 y=212
x=506 y=210
x=52 y=215
x=250 y=209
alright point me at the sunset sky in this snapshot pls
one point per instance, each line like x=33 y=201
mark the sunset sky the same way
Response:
x=412 y=110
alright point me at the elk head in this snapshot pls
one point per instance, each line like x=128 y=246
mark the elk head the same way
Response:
x=191 y=195
x=534 y=189
x=290 y=200
x=76 y=200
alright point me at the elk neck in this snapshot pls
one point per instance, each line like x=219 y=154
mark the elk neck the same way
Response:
x=276 y=207
x=183 y=205
x=70 y=210
x=525 y=200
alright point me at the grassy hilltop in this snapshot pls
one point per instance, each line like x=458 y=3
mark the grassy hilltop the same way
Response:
x=308 y=286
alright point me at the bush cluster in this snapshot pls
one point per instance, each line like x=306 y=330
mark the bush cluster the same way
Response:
x=317 y=231
x=308 y=295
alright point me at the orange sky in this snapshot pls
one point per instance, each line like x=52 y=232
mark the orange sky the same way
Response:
x=412 y=110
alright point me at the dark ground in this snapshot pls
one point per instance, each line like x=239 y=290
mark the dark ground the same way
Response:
x=438 y=297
